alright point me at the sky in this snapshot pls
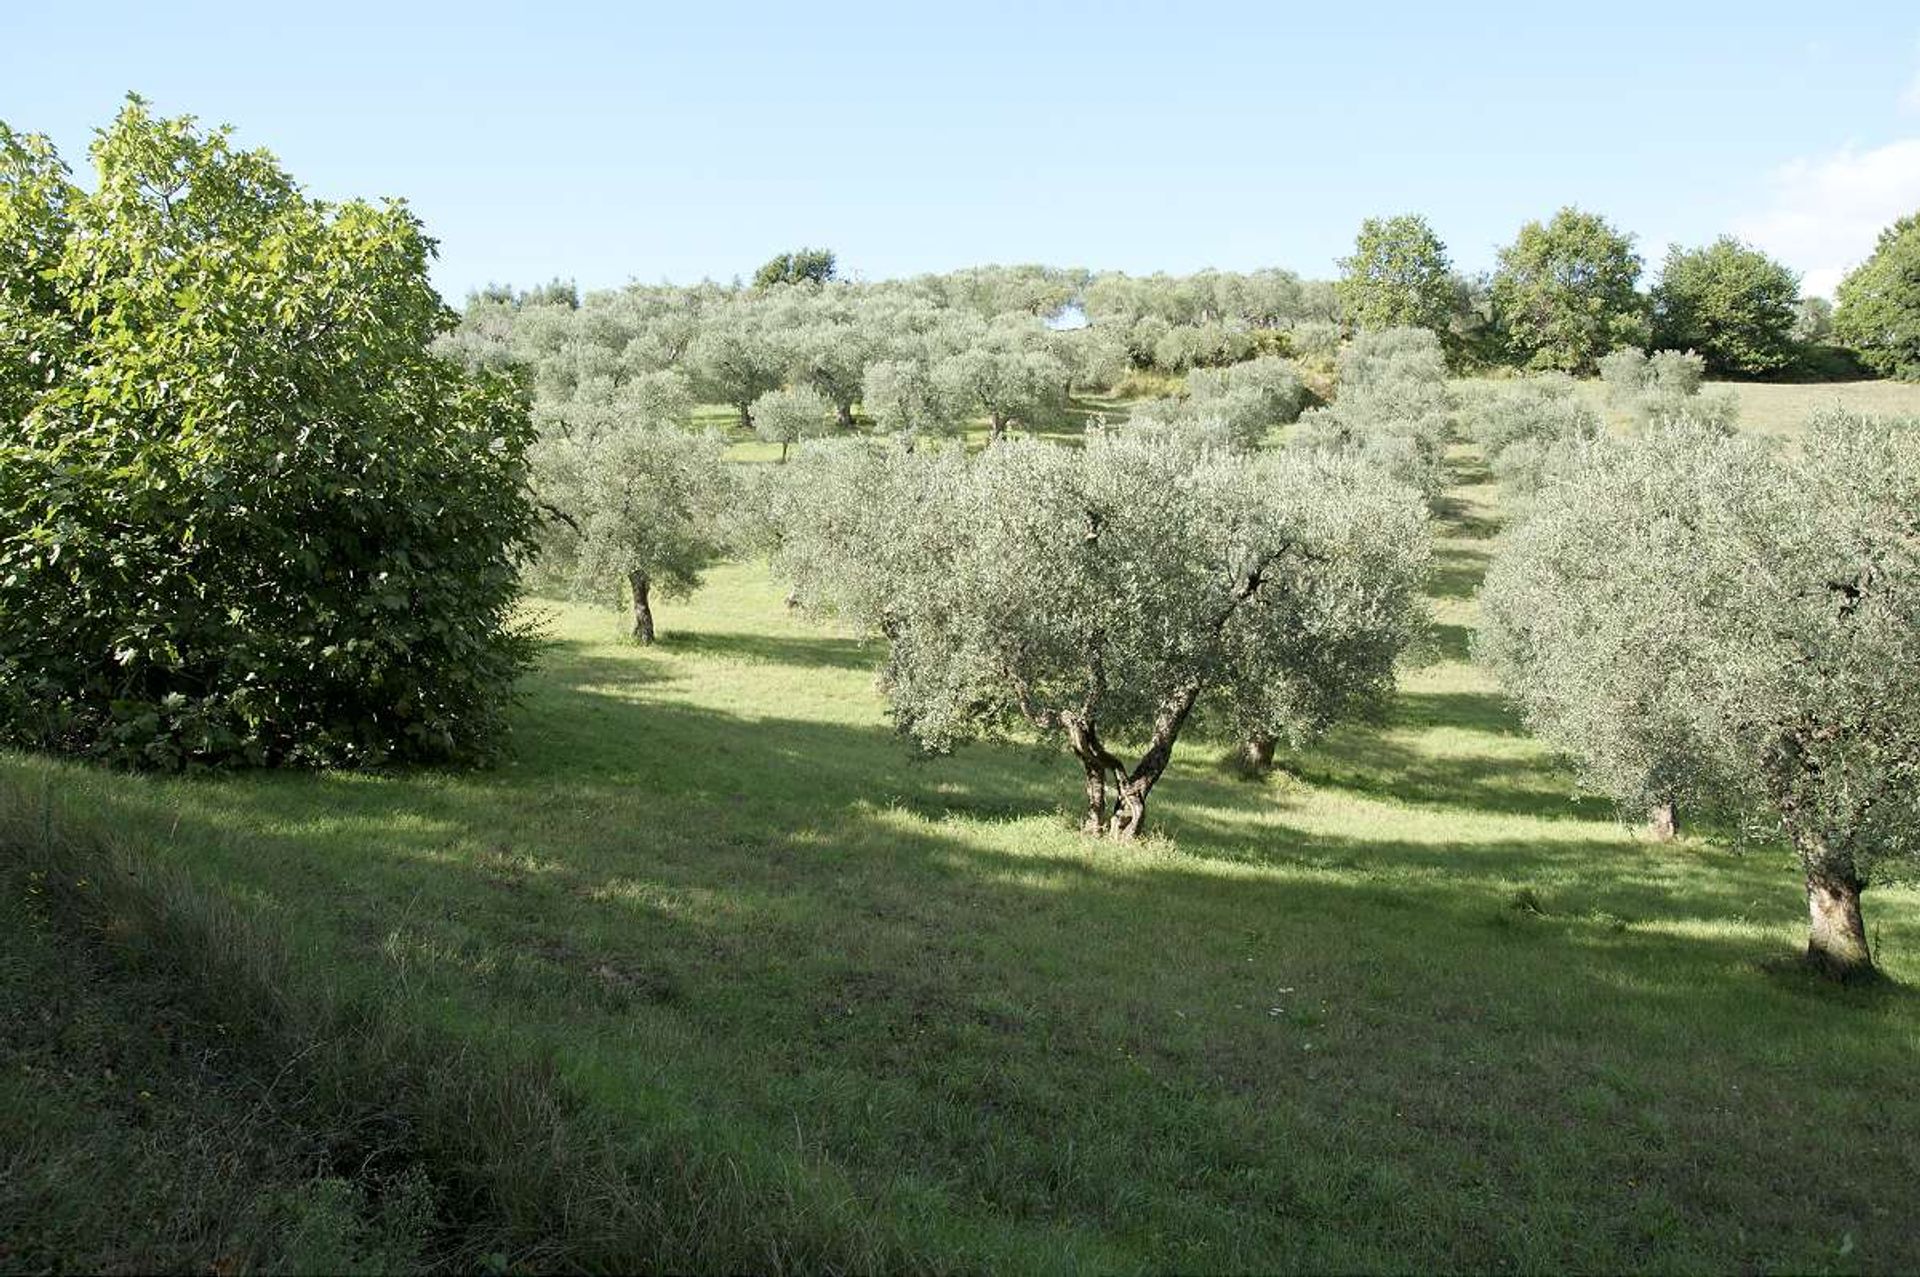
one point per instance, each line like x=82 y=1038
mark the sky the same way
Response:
x=612 y=142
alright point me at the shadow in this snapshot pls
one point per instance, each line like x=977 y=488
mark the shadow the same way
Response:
x=1457 y=571
x=821 y=652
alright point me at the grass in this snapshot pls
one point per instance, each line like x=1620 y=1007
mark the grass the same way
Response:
x=815 y=1004
x=1778 y=408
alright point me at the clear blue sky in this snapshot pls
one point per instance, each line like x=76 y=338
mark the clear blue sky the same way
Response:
x=613 y=141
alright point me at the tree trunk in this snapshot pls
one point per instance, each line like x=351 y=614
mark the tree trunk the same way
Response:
x=783 y=452
x=642 y=612
x=1837 y=939
x=997 y=427
x=844 y=411
x=1096 y=799
x=746 y=415
x=1256 y=754
x=1130 y=808
x=1663 y=822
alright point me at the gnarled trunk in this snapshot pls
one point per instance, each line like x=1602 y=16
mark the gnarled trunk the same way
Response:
x=642 y=611
x=1836 y=936
x=997 y=428
x=1256 y=754
x=1130 y=808
x=1096 y=819
x=1663 y=822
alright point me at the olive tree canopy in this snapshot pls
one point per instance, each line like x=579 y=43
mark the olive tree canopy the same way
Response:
x=1695 y=618
x=1104 y=596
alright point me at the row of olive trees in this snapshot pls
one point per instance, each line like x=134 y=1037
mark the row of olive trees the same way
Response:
x=1707 y=624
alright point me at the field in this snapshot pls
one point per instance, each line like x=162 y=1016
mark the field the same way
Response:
x=1412 y=1004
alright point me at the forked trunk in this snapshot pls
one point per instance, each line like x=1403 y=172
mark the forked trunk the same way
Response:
x=642 y=610
x=1663 y=822
x=1256 y=754
x=1837 y=938
x=997 y=428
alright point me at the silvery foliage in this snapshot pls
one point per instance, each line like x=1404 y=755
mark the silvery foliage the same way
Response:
x=1691 y=615
x=1528 y=428
x=909 y=403
x=739 y=353
x=1004 y=369
x=1260 y=299
x=628 y=495
x=1234 y=407
x=1315 y=338
x=1093 y=356
x=1663 y=385
x=789 y=415
x=1110 y=593
x=1393 y=409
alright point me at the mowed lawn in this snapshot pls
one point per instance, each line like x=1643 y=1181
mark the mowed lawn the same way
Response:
x=1415 y=1006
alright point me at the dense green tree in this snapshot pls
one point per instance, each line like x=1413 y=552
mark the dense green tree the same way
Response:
x=1879 y=303
x=1398 y=277
x=1113 y=593
x=1565 y=293
x=802 y=266
x=1731 y=303
x=247 y=514
x=1700 y=621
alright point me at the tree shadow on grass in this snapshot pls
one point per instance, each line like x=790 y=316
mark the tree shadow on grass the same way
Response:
x=810 y=652
x=1457 y=571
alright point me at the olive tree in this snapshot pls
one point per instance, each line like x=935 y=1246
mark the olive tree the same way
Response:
x=787 y=416
x=1528 y=429
x=1113 y=593
x=1005 y=371
x=737 y=356
x=1731 y=303
x=635 y=505
x=1879 y=303
x=1664 y=384
x=248 y=514
x=1393 y=408
x=1235 y=407
x=907 y=401
x=1698 y=620
x=1565 y=292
